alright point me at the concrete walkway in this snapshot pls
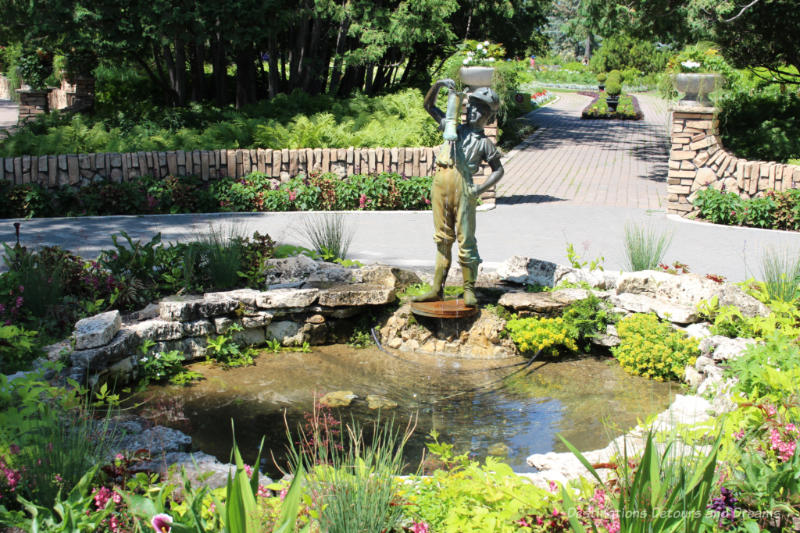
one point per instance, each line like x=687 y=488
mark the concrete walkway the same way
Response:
x=616 y=176
x=571 y=161
x=8 y=114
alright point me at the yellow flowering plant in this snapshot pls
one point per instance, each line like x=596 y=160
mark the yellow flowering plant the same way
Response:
x=550 y=335
x=651 y=348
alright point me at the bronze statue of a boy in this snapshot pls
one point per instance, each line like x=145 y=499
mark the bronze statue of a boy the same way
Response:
x=454 y=195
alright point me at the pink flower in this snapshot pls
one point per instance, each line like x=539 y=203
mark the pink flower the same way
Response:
x=771 y=411
x=248 y=470
x=263 y=492
x=362 y=201
x=13 y=449
x=292 y=196
x=739 y=435
x=420 y=527
x=162 y=523
x=552 y=486
x=523 y=523
x=282 y=494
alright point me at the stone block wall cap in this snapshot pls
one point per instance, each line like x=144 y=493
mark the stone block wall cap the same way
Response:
x=683 y=108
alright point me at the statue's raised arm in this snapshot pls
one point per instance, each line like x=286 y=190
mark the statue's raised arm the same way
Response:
x=433 y=93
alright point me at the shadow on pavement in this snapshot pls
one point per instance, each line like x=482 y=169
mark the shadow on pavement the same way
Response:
x=527 y=199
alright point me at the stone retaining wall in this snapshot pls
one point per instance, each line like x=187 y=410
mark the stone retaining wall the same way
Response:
x=698 y=161
x=82 y=169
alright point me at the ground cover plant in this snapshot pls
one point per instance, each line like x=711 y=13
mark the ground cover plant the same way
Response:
x=627 y=109
x=298 y=120
x=774 y=210
x=254 y=192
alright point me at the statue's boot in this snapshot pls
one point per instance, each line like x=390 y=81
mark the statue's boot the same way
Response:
x=470 y=273
x=439 y=275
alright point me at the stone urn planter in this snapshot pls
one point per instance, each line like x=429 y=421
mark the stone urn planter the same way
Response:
x=477 y=76
x=613 y=102
x=696 y=87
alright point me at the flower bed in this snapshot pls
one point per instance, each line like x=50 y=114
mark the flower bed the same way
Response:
x=254 y=192
x=628 y=108
x=774 y=210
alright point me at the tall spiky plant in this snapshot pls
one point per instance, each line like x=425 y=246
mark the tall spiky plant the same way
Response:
x=645 y=246
x=328 y=234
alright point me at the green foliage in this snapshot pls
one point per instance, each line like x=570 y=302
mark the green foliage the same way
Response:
x=576 y=261
x=468 y=496
x=645 y=246
x=781 y=274
x=651 y=348
x=35 y=66
x=621 y=52
x=353 y=478
x=551 y=335
x=668 y=491
x=627 y=108
x=768 y=369
x=761 y=124
x=224 y=350
x=58 y=436
x=586 y=319
x=329 y=235
x=293 y=121
x=18 y=348
x=775 y=210
x=164 y=366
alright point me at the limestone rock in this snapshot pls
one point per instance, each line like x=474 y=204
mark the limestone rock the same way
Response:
x=667 y=310
x=289 y=269
x=158 y=330
x=257 y=320
x=245 y=296
x=609 y=339
x=200 y=468
x=692 y=377
x=281 y=298
x=222 y=324
x=97 y=330
x=123 y=344
x=523 y=270
x=341 y=398
x=542 y=302
x=285 y=331
x=158 y=440
x=250 y=336
x=702 y=363
x=59 y=350
x=698 y=331
x=354 y=295
x=688 y=290
x=731 y=348
x=385 y=276
x=188 y=308
x=379 y=402
x=198 y=328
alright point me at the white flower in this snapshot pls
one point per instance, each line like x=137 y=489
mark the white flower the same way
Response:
x=470 y=54
x=491 y=59
x=466 y=61
x=691 y=65
x=158 y=355
x=480 y=46
x=143 y=359
x=485 y=43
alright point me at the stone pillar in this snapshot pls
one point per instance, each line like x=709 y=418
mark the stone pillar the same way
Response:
x=32 y=103
x=83 y=96
x=697 y=160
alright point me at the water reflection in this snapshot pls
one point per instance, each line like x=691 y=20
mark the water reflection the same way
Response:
x=588 y=400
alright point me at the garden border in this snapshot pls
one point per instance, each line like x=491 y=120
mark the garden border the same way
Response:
x=698 y=160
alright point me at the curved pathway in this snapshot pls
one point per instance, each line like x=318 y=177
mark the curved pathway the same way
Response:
x=569 y=160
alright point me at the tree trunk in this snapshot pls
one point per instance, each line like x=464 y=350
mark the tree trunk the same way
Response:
x=220 y=71
x=274 y=81
x=198 y=72
x=178 y=73
x=336 y=72
x=245 y=78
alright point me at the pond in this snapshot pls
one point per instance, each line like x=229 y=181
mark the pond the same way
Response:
x=503 y=406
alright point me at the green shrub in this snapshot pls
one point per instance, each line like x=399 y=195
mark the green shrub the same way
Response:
x=651 y=348
x=551 y=335
x=35 y=66
x=18 y=348
x=601 y=77
x=613 y=88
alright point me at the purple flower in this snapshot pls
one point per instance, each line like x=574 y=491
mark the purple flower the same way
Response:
x=162 y=523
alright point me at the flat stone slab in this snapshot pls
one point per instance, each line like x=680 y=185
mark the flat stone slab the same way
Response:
x=542 y=302
x=443 y=309
x=97 y=330
x=355 y=295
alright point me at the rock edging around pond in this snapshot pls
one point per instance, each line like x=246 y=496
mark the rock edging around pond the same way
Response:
x=314 y=301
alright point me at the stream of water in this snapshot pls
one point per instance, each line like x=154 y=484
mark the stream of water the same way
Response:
x=471 y=403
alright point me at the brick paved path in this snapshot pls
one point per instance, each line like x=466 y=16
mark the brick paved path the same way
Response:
x=570 y=161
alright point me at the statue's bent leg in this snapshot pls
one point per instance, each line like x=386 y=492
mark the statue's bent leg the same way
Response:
x=444 y=201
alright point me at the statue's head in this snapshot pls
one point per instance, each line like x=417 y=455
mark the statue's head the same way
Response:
x=482 y=107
